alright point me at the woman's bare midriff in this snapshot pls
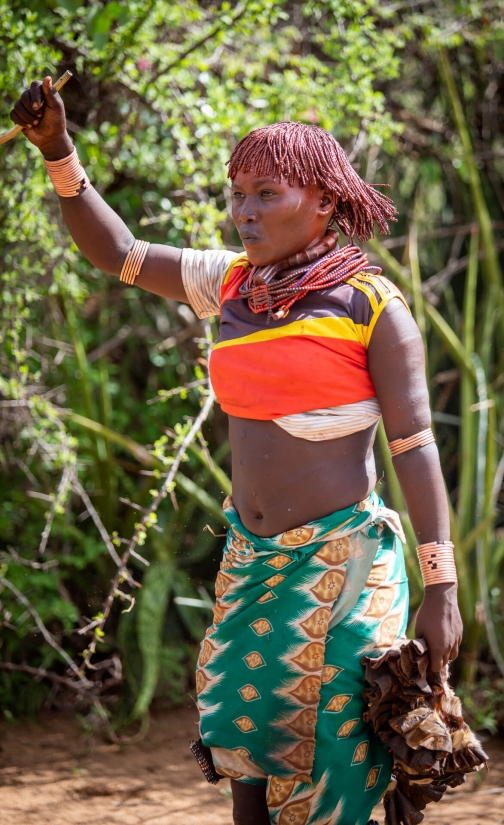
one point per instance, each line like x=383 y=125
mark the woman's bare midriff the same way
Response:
x=281 y=482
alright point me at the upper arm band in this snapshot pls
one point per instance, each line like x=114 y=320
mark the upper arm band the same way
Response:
x=402 y=445
x=133 y=262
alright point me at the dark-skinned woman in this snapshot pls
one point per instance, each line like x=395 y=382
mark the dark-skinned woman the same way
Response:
x=315 y=345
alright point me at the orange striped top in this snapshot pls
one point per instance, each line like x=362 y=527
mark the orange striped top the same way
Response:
x=314 y=358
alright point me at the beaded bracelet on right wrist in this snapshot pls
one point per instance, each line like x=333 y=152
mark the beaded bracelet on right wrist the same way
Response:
x=437 y=562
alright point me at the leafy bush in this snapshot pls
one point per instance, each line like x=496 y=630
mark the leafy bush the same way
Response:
x=101 y=384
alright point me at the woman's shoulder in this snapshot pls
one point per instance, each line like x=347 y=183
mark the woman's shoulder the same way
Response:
x=203 y=273
x=377 y=288
x=366 y=295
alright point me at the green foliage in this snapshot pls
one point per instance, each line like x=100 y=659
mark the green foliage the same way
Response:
x=151 y=611
x=483 y=705
x=99 y=382
x=458 y=305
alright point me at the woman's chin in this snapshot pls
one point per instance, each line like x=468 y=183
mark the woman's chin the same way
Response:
x=260 y=257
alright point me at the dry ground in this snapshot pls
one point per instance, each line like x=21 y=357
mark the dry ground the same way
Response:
x=50 y=774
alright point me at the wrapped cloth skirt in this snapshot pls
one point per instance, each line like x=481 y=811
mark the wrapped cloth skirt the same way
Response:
x=279 y=677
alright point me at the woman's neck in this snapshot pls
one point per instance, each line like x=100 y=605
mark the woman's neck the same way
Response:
x=265 y=274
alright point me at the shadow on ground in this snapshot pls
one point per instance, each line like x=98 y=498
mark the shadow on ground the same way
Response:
x=50 y=774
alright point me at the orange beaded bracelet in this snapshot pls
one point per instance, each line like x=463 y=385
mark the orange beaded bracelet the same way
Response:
x=67 y=175
x=401 y=445
x=437 y=563
x=133 y=262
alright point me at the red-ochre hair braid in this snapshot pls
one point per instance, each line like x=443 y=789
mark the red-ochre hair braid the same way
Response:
x=311 y=155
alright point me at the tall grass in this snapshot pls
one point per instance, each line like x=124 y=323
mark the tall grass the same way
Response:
x=472 y=338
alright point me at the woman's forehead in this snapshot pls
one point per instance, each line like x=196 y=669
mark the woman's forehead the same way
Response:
x=251 y=179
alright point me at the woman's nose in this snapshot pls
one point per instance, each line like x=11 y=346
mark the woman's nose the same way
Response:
x=247 y=215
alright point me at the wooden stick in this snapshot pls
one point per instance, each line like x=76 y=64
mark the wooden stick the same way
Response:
x=17 y=129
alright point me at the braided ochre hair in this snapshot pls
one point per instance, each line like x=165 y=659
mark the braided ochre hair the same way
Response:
x=311 y=155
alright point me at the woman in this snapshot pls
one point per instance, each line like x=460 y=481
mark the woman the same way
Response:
x=314 y=346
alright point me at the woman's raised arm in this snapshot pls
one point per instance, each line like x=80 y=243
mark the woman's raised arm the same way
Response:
x=100 y=234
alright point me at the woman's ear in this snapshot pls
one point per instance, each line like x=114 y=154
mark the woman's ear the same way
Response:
x=327 y=202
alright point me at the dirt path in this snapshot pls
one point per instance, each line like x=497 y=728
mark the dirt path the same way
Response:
x=50 y=774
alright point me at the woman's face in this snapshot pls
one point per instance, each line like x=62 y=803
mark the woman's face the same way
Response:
x=275 y=220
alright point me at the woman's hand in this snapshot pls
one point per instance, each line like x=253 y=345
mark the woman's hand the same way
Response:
x=438 y=622
x=41 y=113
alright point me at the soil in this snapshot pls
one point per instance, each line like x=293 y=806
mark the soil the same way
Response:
x=51 y=773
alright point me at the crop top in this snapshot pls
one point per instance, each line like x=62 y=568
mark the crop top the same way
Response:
x=307 y=372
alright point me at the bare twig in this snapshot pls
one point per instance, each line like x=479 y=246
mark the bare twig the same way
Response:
x=62 y=487
x=164 y=395
x=199 y=43
x=35 y=565
x=359 y=142
x=79 y=489
x=41 y=496
x=41 y=673
x=45 y=633
x=141 y=509
x=109 y=346
x=166 y=489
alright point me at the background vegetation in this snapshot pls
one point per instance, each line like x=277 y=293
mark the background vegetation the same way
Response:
x=103 y=387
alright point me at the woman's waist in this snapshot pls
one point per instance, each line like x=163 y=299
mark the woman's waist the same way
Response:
x=268 y=510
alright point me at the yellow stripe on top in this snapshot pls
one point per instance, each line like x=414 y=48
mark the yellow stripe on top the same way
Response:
x=370 y=285
x=343 y=328
x=241 y=260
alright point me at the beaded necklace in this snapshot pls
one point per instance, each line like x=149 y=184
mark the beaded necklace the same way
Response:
x=264 y=290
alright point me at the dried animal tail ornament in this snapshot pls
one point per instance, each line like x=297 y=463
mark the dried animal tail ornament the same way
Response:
x=418 y=717
x=203 y=756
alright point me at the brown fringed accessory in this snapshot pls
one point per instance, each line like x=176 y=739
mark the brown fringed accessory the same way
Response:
x=133 y=262
x=437 y=562
x=402 y=445
x=264 y=291
x=418 y=717
x=203 y=756
x=67 y=175
x=305 y=154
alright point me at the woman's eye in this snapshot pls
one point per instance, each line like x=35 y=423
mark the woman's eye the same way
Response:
x=266 y=193
x=237 y=195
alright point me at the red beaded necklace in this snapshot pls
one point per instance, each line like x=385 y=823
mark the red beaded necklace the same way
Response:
x=264 y=290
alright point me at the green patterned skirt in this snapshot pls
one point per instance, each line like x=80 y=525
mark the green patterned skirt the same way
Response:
x=279 y=677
